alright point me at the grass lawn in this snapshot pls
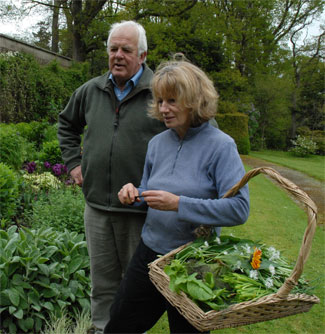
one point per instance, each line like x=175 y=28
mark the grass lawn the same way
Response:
x=313 y=165
x=278 y=221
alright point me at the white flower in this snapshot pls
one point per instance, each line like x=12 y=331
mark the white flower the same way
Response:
x=238 y=265
x=247 y=248
x=269 y=282
x=272 y=269
x=253 y=274
x=274 y=254
x=206 y=244
x=217 y=240
x=225 y=252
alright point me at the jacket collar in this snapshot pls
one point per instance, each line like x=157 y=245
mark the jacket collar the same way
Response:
x=105 y=84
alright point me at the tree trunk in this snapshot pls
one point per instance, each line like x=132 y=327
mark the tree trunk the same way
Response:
x=55 y=26
x=78 y=47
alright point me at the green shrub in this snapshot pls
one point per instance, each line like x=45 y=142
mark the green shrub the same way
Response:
x=316 y=136
x=43 y=272
x=51 y=152
x=236 y=126
x=31 y=92
x=9 y=193
x=59 y=209
x=14 y=148
x=50 y=132
x=302 y=146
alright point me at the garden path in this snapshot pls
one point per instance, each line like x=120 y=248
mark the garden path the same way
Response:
x=313 y=188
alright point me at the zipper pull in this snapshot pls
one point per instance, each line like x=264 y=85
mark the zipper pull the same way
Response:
x=117 y=116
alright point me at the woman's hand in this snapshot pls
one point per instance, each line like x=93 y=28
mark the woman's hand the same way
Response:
x=161 y=200
x=128 y=193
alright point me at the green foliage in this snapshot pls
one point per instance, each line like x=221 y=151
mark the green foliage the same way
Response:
x=50 y=132
x=303 y=147
x=30 y=91
x=61 y=210
x=15 y=149
x=32 y=132
x=236 y=126
x=51 y=152
x=9 y=193
x=43 y=272
x=316 y=136
x=272 y=102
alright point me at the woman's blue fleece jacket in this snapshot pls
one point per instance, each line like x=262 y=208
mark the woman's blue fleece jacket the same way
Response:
x=201 y=168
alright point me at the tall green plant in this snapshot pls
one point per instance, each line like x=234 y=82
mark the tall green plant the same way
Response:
x=43 y=272
x=9 y=193
x=14 y=148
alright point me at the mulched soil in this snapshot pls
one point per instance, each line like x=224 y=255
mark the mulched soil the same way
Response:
x=313 y=188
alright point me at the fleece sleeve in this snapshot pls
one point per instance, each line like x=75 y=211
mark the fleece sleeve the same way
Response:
x=227 y=170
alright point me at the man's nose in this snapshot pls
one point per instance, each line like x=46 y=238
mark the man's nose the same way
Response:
x=119 y=53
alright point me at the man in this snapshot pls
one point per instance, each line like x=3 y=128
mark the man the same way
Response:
x=112 y=109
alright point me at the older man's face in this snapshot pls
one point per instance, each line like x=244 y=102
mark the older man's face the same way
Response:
x=124 y=61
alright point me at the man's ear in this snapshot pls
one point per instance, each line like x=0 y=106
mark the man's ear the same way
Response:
x=143 y=57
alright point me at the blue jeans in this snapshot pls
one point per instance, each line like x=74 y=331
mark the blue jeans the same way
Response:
x=138 y=305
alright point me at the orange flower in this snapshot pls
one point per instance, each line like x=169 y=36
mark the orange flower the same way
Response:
x=256 y=260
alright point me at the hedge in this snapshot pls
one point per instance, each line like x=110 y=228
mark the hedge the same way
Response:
x=236 y=126
x=32 y=92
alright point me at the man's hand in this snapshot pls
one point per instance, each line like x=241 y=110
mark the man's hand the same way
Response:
x=161 y=200
x=128 y=193
x=77 y=175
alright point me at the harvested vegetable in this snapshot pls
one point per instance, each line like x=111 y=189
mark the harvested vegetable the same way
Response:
x=217 y=272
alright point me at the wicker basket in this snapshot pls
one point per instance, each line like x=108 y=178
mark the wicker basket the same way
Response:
x=273 y=306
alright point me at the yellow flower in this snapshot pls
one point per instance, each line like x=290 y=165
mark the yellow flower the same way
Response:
x=256 y=260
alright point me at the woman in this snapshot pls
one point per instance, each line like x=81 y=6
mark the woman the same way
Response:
x=188 y=168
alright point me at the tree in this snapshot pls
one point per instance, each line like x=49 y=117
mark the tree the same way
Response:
x=43 y=36
x=304 y=69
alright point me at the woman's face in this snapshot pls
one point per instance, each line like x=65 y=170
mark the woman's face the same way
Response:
x=174 y=117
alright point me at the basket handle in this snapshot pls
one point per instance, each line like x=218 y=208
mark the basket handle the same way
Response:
x=305 y=248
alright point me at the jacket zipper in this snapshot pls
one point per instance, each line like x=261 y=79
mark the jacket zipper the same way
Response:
x=177 y=153
x=116 y=125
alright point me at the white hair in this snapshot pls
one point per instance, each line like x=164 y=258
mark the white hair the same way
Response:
x=142 y=38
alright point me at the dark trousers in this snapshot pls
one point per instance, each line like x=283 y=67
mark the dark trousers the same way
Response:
x=138 y=305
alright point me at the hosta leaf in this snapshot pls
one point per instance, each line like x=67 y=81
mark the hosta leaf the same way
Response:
x=19 y=314
x=48 y=306
x=74 y=265
x=12 y=309
x=36 y=307
x=4 y=298
x=44 y=269
x=85 y=304
x=11 y=246
x=17 y=279
x=3 y=235
x=33 y=297
x=3 y=280
x=50 y=250
x=14 y=297
x=49 y=293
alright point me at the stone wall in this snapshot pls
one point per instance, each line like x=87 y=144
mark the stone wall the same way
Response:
x=43 y=56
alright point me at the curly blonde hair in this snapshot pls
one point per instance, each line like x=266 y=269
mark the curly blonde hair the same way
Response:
x=189 y=86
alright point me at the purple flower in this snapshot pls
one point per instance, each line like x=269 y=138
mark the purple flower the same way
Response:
x=30 y=167
x=57 y=169
x=47 y=164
